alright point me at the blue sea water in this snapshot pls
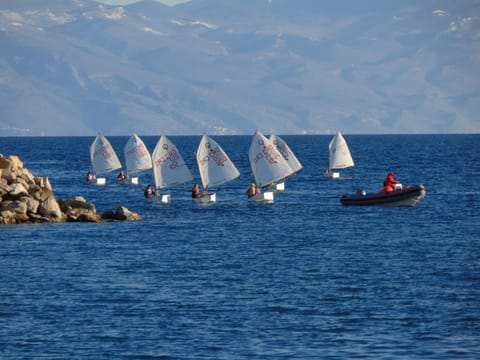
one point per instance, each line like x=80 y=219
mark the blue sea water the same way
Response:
x=304 y=278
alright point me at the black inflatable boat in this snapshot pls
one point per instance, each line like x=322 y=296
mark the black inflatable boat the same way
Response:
x=406 y=196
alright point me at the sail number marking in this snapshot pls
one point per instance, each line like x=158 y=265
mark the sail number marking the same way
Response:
x=104 y=150
x=215 y=154
x=139 y=149
x=171 y=156
x=268 y=152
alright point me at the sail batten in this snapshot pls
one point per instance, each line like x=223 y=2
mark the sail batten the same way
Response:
x=169 y=168
x=214 y=165
x=267 y=163
x=103 y=157
x=339 y=153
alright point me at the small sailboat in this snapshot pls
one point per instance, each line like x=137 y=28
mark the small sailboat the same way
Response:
x=339 y=156
x=288 y=154
x=215 y=167
x=268 y=166
x=137 y=158
x=169 y=168
x=103 y=159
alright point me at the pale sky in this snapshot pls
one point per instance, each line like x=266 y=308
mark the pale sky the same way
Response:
x=125 y=2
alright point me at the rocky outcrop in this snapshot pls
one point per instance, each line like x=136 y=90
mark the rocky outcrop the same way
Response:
x=122 y=214
x=25 y=198
x=77 y=209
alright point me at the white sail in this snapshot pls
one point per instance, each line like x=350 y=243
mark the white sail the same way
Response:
x=214 y=165
x=339 y=154
x=286 y=152
x=137 y=157
x=267 y=163
x=169 y=168
x=102 y=156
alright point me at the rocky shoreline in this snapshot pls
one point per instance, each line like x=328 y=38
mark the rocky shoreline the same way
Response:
x=25 y=198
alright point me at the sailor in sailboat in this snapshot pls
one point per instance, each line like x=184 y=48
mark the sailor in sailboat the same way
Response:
x=103 y=159
x=390 y=184
x=168 y=167
x=268 y=166
x=215 y=168
x=137 y=159
x=196 y=192
x=149 y=192
x=252 y=190
x=89 y=176
x=121 y=176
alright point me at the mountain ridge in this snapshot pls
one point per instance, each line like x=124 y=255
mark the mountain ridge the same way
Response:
x=77 y=67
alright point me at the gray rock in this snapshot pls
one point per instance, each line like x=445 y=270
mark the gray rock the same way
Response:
x=7 y=217
x=32 y=204
x=76 y=203
x=108 y=215
x=16 y=206
x=49 y=207
x=122 y=213
x=18 y=191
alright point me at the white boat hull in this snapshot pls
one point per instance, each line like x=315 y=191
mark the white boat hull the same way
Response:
x=207 y=198
x=162 y=199
x=264 y=197
x=277 y=187
x=100 y=181
x=337 y=176
x=132 y=181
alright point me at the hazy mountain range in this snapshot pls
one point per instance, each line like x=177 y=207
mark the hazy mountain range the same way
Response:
x=75 y=67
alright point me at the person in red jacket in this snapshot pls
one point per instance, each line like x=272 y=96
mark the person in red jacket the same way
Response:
x=389 y=183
